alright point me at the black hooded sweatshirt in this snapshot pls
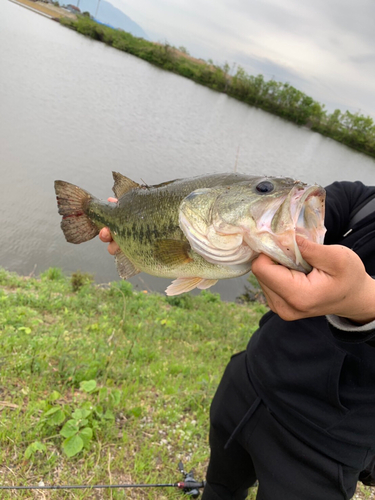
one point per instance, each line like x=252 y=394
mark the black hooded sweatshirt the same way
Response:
x=318 y=381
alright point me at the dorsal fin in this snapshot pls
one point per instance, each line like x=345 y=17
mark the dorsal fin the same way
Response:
x=122 y=184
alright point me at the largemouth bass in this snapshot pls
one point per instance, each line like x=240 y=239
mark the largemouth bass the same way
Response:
x=198 y=230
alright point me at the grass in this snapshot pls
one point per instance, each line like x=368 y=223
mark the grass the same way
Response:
x=104 y=385
x=129 y=367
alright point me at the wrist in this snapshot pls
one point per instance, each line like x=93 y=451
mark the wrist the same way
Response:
x=361 y=320
x=347 y=325
x=364 y=312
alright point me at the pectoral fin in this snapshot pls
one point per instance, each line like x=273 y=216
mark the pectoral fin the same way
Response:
x=125 y=267
x=172 y=253
x=182 y=285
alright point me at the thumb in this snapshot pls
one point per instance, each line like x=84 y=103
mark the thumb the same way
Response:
x=322 y=257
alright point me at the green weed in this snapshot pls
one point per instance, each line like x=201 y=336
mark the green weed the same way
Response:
x=53 y=274
x=108 y=380
x=107 y=384
x=79 y=279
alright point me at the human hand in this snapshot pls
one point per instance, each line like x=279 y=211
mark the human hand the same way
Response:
x=338 y=284
x=106 y=237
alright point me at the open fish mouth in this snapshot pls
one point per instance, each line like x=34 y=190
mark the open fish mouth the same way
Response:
x=307 y=215
x=301 y=213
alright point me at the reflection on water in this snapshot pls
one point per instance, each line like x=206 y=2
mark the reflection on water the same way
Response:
x=74 y=109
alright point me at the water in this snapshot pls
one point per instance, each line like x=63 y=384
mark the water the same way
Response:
x=73 y=109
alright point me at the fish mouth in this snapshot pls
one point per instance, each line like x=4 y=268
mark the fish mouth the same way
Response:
x=300 y=213
x=306 y=208
x=308 y=215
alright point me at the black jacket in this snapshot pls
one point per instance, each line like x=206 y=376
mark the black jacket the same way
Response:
x=318 y=381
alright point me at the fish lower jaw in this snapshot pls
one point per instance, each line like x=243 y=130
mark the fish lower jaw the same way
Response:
x=282 y=249
x=293 y=256
x=297 y=263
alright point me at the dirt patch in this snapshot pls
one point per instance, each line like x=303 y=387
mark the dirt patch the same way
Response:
x=45 y=8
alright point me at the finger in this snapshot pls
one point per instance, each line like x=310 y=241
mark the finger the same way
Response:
x=286 y=288
x=105 y=235
x=277 y=304
x=268 y=296
x=113 y=248
x=112 y=200
x=270 y=273
x=262 y=264
x=328 y=258
x=281 y=307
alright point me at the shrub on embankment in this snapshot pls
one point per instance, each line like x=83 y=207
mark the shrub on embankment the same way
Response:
x=282 y=99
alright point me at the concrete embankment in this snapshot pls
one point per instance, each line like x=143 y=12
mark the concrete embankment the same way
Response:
x=45 y=9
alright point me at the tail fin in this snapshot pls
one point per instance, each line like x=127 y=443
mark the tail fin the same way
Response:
x=72 y=202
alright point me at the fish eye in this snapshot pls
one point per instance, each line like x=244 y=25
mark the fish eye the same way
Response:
x=265 y=187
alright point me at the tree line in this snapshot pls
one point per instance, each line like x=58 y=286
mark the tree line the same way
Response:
x=282 y=99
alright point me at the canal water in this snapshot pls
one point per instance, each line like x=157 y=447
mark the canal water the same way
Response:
x=74 y=109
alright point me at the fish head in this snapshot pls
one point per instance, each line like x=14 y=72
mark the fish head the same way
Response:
x=231 y=225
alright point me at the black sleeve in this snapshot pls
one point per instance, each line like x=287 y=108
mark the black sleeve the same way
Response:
x=353 y=336
x=343 y=198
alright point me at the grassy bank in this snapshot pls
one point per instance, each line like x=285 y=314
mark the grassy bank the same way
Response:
x=104 y=385
x=352 y=129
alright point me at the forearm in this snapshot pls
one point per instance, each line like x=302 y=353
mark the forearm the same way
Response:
x=362 y=330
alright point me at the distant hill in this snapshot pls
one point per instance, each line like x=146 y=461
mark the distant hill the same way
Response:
x=108 y=14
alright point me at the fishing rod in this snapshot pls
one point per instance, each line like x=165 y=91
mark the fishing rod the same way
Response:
x=189 y=486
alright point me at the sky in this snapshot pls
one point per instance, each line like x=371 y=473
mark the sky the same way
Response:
x=325 y=48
